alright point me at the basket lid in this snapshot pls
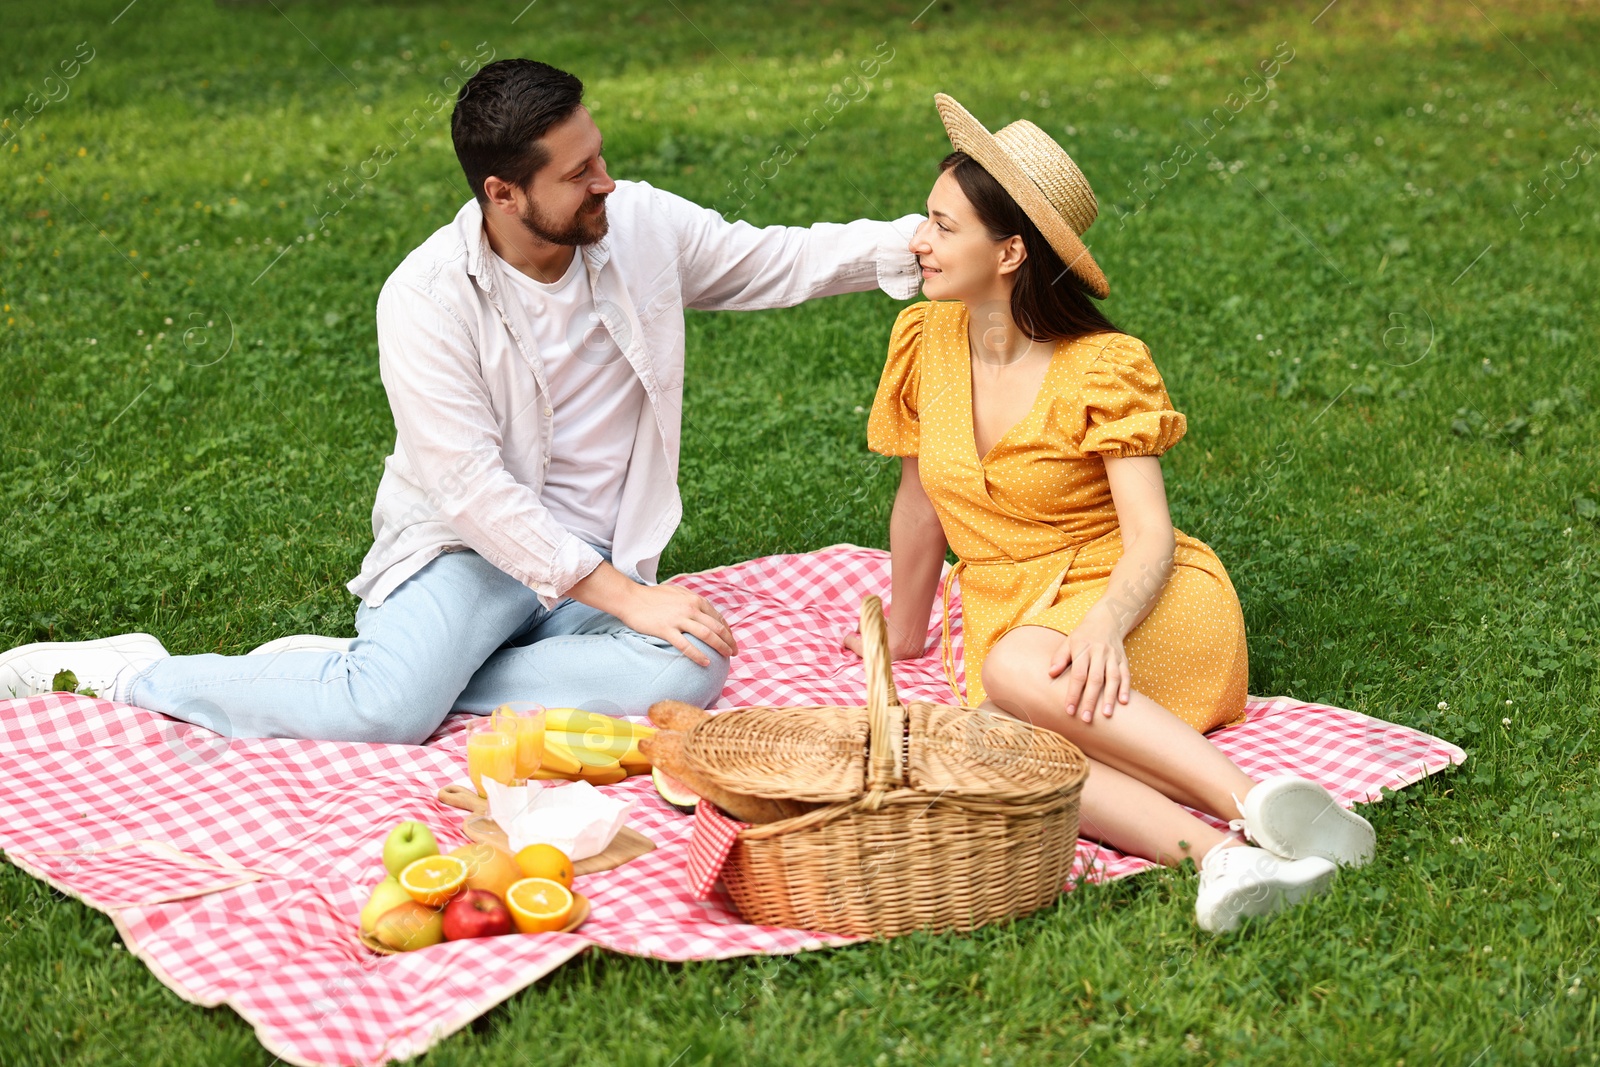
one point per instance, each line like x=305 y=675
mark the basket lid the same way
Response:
x=832 y=754
x=819 y=754
x=978 y=753
x=815 y=754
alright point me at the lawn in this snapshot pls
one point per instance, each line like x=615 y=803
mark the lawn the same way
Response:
x=1365 y=282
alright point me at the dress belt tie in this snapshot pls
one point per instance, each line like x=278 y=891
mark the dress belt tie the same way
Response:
x=1044 y=600
x=944 y=634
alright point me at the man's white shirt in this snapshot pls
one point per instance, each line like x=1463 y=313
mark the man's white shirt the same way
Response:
x=476 y=406
x=596 y=397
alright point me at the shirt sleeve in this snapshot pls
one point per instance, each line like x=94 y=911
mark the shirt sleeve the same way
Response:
x=1127 y=411
x=734 y=266
x=893 y=428
x=446 y=425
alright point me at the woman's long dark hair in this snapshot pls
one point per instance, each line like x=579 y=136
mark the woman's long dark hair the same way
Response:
x=1048 y=302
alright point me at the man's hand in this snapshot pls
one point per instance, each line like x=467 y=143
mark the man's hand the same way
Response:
x=669 y=611
x=666 y=611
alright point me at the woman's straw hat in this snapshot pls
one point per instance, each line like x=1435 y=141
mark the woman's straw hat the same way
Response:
x=1040 y=177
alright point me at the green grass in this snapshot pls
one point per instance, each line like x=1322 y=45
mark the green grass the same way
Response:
x=1390 y=386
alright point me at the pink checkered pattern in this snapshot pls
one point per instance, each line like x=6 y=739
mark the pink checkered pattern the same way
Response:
x=133 y=873
x=709 y=845
x=235 y=869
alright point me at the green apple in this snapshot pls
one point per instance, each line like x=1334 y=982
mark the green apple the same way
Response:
x=407 y=842
x=386 y=894
x=410 y=926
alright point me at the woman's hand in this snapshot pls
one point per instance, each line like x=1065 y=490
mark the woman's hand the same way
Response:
x=1099 y=668
x=912 y=646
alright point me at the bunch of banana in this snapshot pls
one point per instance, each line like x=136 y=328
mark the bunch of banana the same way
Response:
x=587 y=746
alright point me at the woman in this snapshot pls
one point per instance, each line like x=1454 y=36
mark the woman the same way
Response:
x=1030 y=428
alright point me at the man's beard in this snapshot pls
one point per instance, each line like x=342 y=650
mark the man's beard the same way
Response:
x=584 y=228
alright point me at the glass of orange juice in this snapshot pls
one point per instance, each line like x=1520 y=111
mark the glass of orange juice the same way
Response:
x=491 y=753
x=527 y=726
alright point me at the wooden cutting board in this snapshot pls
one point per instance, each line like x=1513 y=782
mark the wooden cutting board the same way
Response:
x=629 y=844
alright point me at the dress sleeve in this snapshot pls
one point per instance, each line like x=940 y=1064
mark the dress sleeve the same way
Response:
x=893 y=428
x=1127 y=411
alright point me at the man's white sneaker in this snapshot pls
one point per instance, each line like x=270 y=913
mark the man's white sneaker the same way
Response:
x=1241 y=881
x=29 y=670
x=303 y=643
x=1297 y=818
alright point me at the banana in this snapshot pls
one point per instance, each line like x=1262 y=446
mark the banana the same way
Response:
x=634 y=761
x=597 y=748
x=578 y=721
x=559 y=760
x=605 y=775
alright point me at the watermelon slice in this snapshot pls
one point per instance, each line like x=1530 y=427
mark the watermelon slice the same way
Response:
x=673 y=791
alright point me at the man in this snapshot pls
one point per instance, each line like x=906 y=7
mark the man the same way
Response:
x=532 y=351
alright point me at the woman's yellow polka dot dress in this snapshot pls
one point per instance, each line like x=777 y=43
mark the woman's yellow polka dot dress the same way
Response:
x=1033 y=523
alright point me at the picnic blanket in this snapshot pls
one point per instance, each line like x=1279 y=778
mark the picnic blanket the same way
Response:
x=235 y=869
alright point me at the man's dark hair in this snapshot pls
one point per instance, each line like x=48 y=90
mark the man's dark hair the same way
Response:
x=1047 y=302
x=502 y=111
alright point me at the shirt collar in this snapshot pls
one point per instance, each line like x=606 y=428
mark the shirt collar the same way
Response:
x=469 y=226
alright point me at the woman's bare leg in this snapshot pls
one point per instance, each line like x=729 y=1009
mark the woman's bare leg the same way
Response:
x=1141 y=739
x=1131 y=817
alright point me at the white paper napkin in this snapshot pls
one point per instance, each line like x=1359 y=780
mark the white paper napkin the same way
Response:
x=576 y=818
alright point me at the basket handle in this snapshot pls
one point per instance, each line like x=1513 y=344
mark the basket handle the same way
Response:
x=885 y=716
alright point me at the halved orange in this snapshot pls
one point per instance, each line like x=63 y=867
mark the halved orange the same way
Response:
x=539 y=905
x=433 y=880
x=545 y=861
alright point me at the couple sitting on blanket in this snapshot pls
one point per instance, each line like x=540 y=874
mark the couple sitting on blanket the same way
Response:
x=533 y=355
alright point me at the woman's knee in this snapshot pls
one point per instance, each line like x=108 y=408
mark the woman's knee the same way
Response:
x=1013 y=675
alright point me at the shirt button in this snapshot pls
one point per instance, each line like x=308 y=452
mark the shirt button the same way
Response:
x=548 y=413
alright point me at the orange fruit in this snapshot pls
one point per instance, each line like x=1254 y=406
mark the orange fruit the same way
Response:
x=539 y=905
x=489 y=867
x=433 y=880
x=545 y=861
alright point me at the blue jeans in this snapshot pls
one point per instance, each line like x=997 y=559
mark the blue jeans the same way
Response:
x=459 y=635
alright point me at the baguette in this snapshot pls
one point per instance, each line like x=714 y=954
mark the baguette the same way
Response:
x=676 y=715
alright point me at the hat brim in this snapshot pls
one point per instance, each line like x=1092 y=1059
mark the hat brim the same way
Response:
x=968 y=135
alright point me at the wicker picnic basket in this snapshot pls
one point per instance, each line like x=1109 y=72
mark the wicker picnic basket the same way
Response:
x=931 y=818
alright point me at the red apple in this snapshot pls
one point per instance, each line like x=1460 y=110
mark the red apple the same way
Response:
x=475 y=913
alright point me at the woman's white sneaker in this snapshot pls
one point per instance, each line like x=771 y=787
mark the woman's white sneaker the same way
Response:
x=1240 y=881
x=29 y=670
x=1297 y=818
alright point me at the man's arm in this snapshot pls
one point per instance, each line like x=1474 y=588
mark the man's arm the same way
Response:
x=734 y=266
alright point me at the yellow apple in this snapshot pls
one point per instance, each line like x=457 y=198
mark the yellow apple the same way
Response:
x=385 y=895
x=409 y=926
